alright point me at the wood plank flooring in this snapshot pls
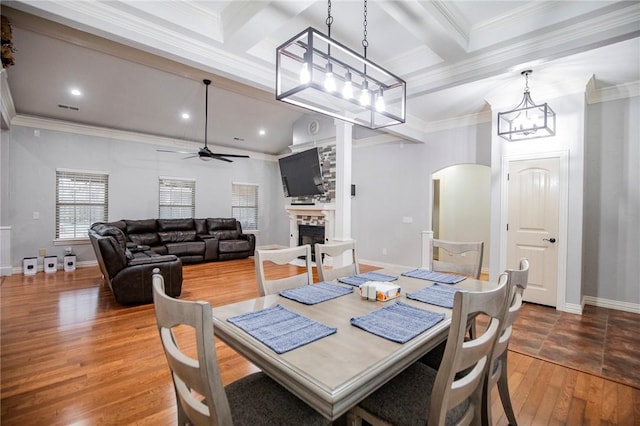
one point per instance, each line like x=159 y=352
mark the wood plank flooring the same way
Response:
x=71 y=355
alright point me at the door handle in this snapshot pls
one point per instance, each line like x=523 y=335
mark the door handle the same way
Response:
x=551 y=240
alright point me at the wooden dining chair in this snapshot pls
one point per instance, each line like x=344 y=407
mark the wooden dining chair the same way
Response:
x=452 y=394
x=282 y=257
x=201 y=398
x=517 y=283
x=458 y=257
x=326 y=252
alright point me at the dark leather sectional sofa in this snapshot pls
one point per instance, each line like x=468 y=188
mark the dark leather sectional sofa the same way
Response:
x=128 y=251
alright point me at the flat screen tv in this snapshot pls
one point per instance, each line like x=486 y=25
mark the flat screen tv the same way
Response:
x=301 y=174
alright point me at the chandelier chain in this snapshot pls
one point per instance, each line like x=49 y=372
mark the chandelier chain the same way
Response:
x=329 y=20
x=365 y=43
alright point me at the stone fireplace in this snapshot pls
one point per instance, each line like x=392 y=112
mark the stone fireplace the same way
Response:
x=315 y=216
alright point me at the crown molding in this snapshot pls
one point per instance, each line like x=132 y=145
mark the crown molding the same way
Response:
x=611 y=93
x=619 y=24
x=103 y=132
x=457 y=122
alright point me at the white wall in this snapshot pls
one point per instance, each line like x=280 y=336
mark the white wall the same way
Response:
x=394 y=181
x=612 y=201
x=133 y=169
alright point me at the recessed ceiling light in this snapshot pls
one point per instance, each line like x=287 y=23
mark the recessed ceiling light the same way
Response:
x=185 y=116
x=262 y=132
x=76 y=92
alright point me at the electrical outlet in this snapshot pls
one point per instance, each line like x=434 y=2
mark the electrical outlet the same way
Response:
x=42 y=252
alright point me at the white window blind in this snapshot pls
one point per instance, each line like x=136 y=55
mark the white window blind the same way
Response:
x=244 y=200
x=82 y=198
x=177 y=198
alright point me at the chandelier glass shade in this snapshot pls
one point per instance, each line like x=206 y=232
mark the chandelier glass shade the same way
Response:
x=527 y=120
x=318 y=73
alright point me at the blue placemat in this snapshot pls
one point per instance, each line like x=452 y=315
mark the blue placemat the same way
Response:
x=359 y=279
x=316 y=293
x=440 y=277
x=436 y=294
x=398 y=322
x=281 y=329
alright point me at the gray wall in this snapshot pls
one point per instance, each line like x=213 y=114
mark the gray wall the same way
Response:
x=611 y=268
x=394 y=181
x=133 y=170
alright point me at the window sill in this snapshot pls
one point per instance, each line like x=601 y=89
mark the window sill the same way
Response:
x=71 y=242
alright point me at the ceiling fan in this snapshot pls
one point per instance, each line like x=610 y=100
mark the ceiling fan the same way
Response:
x=205 y=153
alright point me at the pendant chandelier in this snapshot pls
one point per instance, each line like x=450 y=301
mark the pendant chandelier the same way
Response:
x=318 y=73
x=527 y=120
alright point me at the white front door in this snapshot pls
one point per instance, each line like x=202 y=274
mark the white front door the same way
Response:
x=533 y=222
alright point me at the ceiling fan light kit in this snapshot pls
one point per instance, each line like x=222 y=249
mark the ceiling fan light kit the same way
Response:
x=318 y=73
x=205 y=153
x=527 y=120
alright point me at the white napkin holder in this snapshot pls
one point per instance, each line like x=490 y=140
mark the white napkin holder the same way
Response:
x=380 y=291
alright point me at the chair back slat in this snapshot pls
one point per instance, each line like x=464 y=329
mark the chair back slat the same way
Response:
x=458 y=257
x=282 y=257
x=333 y=251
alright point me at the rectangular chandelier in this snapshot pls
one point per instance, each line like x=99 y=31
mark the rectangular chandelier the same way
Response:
x=315 y=72
x=527 y=120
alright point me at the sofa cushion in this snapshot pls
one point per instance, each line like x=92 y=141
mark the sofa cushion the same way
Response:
x=225 y=235
x=186 y=248
x=141 y=226
x=107 y=230
x=177 y=236
x=145 y=239
x=175 y=225
x=201 y=226
x=233 y=246
x=222 y=224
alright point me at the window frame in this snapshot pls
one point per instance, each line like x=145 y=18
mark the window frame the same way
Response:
x=175 y=185
x=251 y=204
x=96 y=198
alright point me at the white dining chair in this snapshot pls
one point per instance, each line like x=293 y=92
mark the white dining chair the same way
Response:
x=452 y=394
x=284 y=256
x=332 y=254
x=201 y=398
x=517 y=283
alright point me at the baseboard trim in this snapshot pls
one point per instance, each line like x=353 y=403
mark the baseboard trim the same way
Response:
x=572 y=308
x=611 y=304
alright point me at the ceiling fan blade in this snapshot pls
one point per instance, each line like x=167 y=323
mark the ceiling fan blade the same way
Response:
x=194 y=155
x=217 y=157
x=176 y=152
x=230 y=155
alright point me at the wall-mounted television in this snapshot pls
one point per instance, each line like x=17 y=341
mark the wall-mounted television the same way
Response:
x=302 y=174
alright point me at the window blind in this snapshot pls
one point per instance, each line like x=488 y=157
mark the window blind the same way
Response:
x=244 y=205
x=81 y=200
x=177 y=198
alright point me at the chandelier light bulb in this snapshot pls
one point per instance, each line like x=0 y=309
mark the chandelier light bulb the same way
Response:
x=347 y=89
x=365 y=96
x=329 y=81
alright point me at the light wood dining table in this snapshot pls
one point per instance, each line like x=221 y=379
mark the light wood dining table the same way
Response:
x=336 y=372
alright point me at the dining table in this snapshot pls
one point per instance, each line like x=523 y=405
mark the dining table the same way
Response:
x=336 y=372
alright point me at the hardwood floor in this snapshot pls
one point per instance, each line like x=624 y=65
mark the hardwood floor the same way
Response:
x=71 y=355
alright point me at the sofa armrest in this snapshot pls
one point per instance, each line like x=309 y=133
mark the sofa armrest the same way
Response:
x=153 y=259
x=252 y=240
x=210 y=247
